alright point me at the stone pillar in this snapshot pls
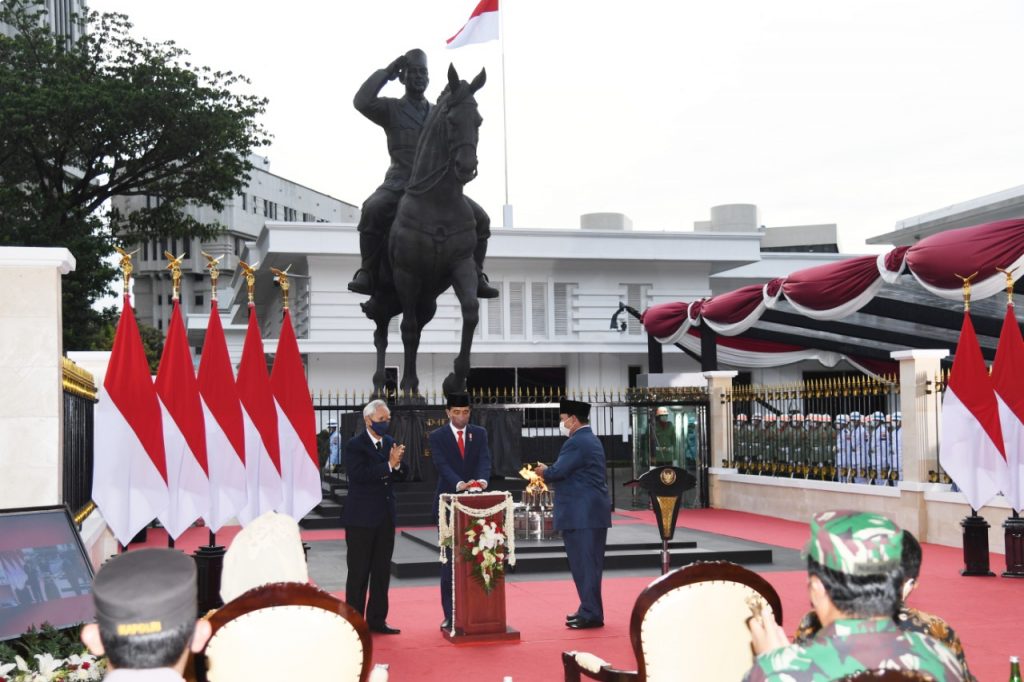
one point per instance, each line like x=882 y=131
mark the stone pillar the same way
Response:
x=920 y=438
x=31 y=389
x=719 y=415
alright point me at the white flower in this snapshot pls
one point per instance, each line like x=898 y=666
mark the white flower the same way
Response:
x=6 y=668
x=22 y=665
x=48 y=664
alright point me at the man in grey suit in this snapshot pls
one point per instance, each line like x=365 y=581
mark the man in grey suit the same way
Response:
x=582 y=509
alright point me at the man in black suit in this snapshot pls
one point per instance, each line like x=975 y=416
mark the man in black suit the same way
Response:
x=372 y=461
x=463 y=461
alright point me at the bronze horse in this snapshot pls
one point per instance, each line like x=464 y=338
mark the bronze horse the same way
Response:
x=431 y=241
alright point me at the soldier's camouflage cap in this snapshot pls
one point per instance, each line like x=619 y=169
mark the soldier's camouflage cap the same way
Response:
x=855 y=543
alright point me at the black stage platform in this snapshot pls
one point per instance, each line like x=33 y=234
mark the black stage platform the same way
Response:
x=633 y=546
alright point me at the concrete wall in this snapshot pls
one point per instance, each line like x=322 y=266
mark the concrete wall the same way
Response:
x=31 y=392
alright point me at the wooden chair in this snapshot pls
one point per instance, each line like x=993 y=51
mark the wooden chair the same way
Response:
x=689 y=624
x=291 y=631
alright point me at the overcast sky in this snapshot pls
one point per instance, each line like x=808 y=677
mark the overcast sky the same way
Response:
x=854 y=112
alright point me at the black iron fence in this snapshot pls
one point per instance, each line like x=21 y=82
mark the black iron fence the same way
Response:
x=639 y=428
x=76 y=476
x=846 y=429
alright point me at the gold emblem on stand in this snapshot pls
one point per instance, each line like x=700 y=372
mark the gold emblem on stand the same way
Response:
x=174 y=265
x=667 y=476
x=126 y=267
x=967 y=289
x=213 y=265
x=249 y=272
x=281 y=277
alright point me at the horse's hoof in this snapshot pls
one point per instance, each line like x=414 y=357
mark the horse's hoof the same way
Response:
x=452 y=384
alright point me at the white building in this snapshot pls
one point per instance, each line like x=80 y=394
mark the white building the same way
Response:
x=63 y=17
x=266 y=197
x=559 y=288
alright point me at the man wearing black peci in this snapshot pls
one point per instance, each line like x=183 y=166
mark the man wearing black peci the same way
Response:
x=582 y=509
x=373 y=461
x=463 y=461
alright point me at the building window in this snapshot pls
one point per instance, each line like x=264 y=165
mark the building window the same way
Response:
x=255 y=201
x=563 y=308
x=159 y=299
x=290 y=215
x=186 y=247
x=308 y=218
x=539 y=308
x=145 y=250
x=496 y=315
x=516 y=309
x=199 y=300
x=270 y=209
x=245 y=202
x=238 y=246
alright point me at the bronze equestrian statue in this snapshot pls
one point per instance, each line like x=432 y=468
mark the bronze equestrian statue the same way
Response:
x=434 y=240
x=402 y=119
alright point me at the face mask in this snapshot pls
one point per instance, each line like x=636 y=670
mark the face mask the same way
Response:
x=380 y=428
x=563 y=429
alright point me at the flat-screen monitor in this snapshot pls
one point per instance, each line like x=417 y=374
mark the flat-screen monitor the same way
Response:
x=45 y=574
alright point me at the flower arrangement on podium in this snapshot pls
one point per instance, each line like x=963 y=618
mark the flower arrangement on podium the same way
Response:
x=485 y=547
x=484 y=539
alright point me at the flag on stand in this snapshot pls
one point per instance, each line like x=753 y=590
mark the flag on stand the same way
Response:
x=225 y=427
x=296 y=424
x=259 y=413
x=129 y=482
x=971 y=442
x=188 y=479
x=481 y=27
x=1007 y=371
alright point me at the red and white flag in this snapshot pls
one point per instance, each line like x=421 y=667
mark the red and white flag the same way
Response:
x=259 y=413
x=481 y=27
x=225 y=427
x=970 y=441
x=184 y=432
x=1007 y=373
x=296 y=425
x=129 y=483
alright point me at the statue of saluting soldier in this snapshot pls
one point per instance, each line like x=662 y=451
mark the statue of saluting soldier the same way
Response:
x=402 y=119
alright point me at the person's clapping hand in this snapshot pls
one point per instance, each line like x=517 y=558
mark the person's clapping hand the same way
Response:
x=766 y=634
x=396 y=454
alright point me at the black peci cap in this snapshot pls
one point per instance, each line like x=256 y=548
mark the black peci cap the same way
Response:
x=145 y=591
x=574 y=408
x=458 y=400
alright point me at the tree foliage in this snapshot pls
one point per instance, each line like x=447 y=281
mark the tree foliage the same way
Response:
x=111 y=115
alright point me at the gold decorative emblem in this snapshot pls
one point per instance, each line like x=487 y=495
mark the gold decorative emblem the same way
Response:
x=668 y=476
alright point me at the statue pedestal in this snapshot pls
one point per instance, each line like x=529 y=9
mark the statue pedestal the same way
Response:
x=478 y=615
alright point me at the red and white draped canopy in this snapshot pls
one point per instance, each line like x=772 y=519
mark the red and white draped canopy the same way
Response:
x=839 y=289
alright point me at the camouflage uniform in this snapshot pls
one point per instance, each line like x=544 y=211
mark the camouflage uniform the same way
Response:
x=856 y=543
x=908 y=620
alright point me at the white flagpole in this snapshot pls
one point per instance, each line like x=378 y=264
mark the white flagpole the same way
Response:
x=506 y=210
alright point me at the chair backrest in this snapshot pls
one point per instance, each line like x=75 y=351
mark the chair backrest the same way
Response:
x=694 y=619
x=888 y=676
x=287 y=631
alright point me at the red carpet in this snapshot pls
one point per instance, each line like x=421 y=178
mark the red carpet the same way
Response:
x=982 y=610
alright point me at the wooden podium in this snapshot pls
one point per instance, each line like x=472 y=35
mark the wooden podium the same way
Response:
x=478 y=616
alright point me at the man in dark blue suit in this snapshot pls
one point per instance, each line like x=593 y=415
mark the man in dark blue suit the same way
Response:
x=582 y=509
x=373 y=461
x=463 y=461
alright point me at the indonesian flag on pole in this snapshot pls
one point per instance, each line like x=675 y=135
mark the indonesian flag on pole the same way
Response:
x=481 y=27
x=184 y=432
x=129 y=466
x=225 y=427
x=296 y=424
x=259 y=413
x=971 y=442
x=1007 y=376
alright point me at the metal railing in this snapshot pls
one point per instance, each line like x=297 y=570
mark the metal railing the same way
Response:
x=523 y=428
x=846 y=429
x=77 y=459
x=935 y=390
